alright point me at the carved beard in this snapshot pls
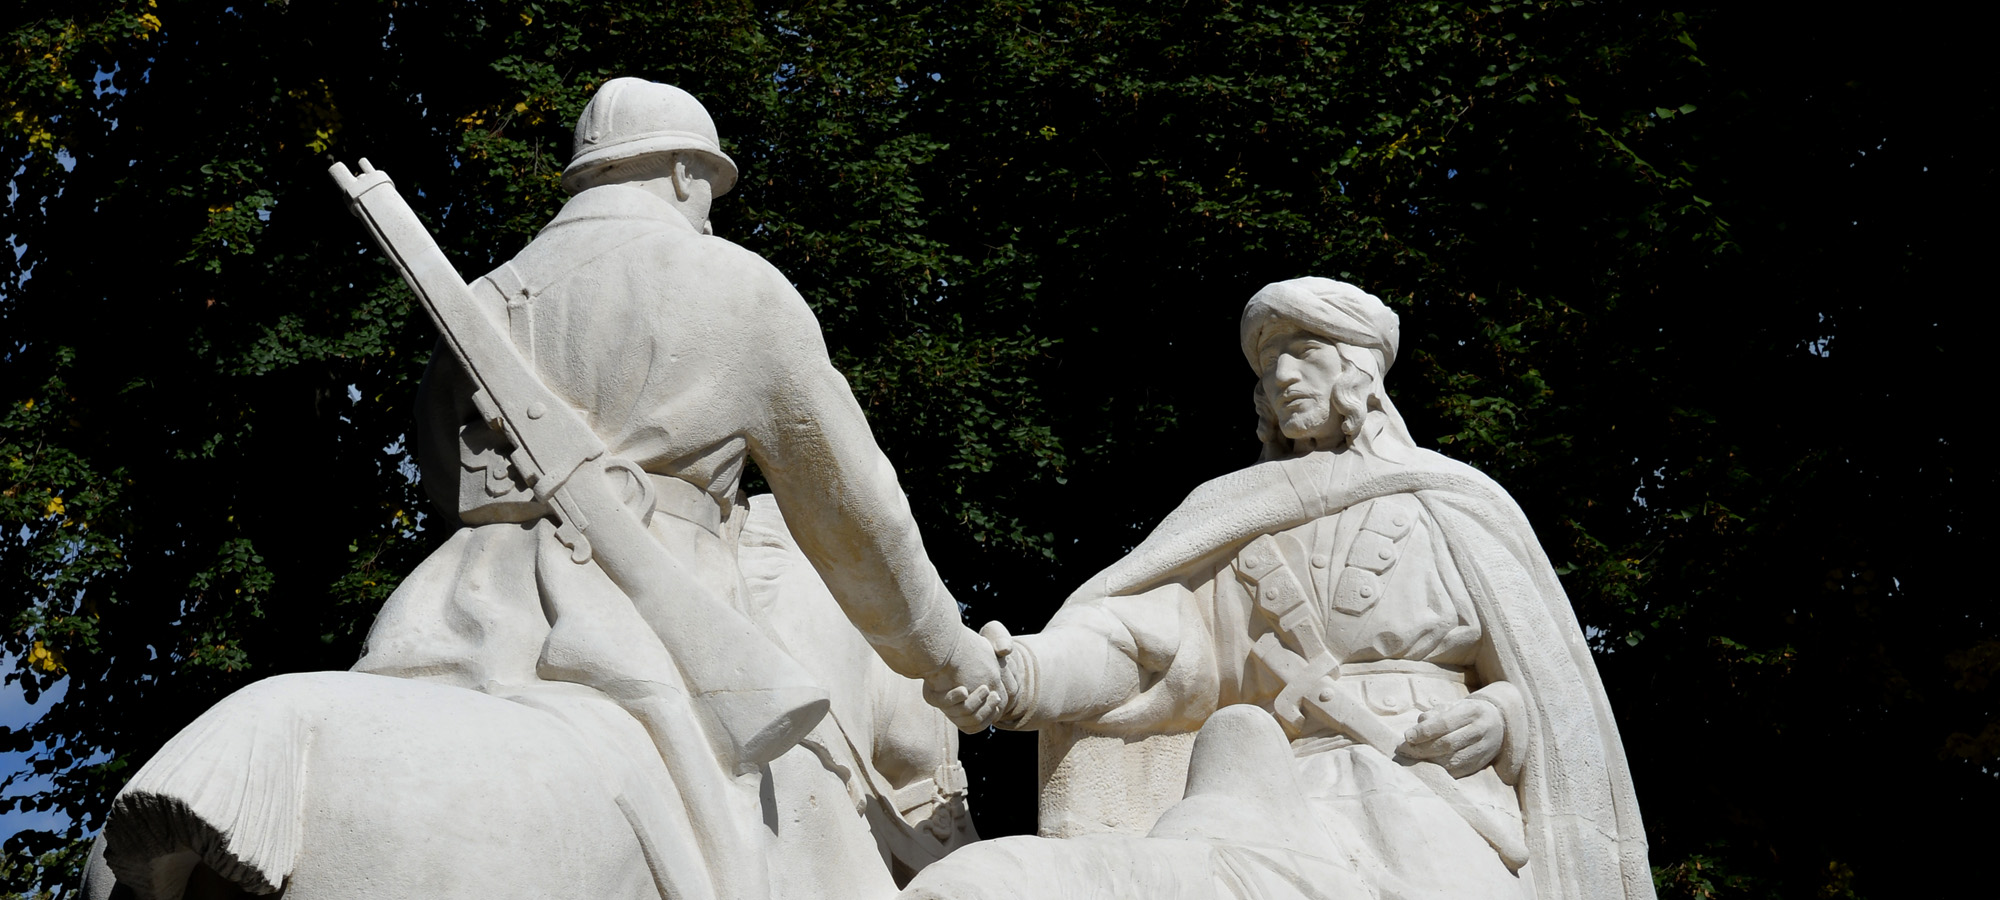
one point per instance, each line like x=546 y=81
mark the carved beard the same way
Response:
x=1300 y=425
x=1348 y=399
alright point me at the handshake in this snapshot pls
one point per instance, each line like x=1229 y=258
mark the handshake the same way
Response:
x=976 y=687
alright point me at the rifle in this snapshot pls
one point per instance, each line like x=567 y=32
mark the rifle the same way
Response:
x=759 y=697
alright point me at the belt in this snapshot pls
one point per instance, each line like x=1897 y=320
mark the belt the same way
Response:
x=1404 y=667
x=684 y=501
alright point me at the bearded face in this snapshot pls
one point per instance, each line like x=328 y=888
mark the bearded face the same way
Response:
x=1300 y=374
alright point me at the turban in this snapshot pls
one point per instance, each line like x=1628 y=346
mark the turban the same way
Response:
x=1330 y=309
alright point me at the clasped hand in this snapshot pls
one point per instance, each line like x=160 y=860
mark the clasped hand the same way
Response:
x=971 y=688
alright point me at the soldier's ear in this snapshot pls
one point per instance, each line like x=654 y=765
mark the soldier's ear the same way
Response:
x=680 y=176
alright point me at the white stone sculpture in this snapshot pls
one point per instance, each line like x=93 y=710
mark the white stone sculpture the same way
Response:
x=614 y=680
x=1444 y=731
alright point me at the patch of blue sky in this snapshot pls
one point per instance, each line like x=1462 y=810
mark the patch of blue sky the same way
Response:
x=17 y=712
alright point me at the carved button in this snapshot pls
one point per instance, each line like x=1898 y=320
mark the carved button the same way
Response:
x=1320 y=561
x=1280 y=596
x=1358 y=591
x=1391 y=516
x=536 y=410
x=1372 y=552
x=1387 y=695
x=1259 y=560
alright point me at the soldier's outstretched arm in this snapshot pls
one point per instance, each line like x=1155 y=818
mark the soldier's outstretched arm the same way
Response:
x=840 y=496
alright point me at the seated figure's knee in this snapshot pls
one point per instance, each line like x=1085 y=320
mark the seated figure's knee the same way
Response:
x=1242 y=786
x=1241 y=752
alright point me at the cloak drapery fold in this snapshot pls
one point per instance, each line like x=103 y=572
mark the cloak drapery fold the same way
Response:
x=1582 y=817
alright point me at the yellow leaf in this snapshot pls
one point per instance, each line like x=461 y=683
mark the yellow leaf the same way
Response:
x=54 y=506
x=44 y=658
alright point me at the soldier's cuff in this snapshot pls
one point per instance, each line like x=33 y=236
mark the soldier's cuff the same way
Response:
x=932 y=641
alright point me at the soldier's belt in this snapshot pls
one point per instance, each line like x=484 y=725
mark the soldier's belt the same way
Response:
x=682 y=500
x=673 y=496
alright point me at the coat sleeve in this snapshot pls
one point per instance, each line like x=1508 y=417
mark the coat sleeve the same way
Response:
x=841 y=497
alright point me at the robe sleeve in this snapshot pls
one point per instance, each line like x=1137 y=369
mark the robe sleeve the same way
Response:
x=1140 y=663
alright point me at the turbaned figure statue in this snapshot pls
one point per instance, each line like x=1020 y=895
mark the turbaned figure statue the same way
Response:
x=1346 y=671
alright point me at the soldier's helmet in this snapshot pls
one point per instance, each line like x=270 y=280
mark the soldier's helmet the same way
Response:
x=631 y=118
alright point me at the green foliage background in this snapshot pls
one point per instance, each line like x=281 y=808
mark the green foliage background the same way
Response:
x=1693 y=281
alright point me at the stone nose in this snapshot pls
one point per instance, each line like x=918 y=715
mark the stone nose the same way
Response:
x=1286 y=370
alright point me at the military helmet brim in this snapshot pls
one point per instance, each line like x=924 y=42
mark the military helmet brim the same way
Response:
x=651 y=144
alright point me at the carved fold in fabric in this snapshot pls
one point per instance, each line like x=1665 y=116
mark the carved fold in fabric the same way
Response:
x=228 y=792
x=1494 y=587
